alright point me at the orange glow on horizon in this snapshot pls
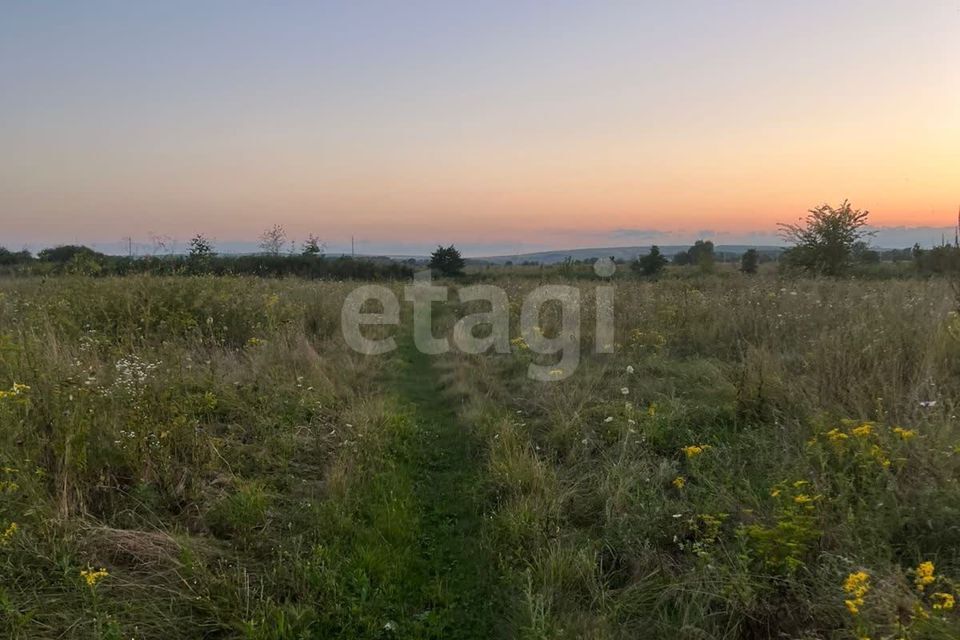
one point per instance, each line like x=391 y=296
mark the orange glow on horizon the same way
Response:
x=563 y=132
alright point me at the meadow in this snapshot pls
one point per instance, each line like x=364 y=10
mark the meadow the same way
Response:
x=203 y=457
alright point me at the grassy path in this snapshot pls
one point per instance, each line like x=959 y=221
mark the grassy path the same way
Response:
x=405 y=556
x=442 y=462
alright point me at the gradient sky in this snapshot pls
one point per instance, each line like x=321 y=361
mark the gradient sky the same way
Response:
x=501 y=126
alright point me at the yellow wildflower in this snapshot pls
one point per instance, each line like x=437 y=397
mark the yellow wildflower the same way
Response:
x=857 y=585
x=943 y=601
x=877 y=454
x=904 y=434
x=92 y=577
x=15 y=390
x=925 y=575
x=863 y=430
x=652 y=410
x=693 y=450
x=805 y=500
x=775 y=493
x=679 y=482
x=8 y=534
x=836 y=436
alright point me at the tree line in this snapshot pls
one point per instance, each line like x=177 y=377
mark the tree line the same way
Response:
x=829 y=241
x=202 y=259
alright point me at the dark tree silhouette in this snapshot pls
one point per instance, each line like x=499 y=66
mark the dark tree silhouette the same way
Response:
x=750 y=261
x=650 y=264
x=824 y=242
x=447 y=261
x=313 y=246
x=201 y=247
x=700 y=254
x=272 y=240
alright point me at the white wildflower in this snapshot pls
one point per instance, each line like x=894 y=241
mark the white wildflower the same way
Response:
x=133 y=373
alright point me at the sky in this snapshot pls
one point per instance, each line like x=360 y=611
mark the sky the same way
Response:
x=499 y=126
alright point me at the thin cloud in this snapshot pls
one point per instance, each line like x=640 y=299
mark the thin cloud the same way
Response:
x=638 y=233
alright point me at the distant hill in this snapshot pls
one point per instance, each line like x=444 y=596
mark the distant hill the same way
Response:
x=618 y=253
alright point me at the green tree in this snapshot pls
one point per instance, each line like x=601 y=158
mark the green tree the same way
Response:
x=313 y=246
x=447 y=261
x=201 y=247
x=650 y=264
x=8 y=257
x=272 y=240
x=65 y=253
x=85 y=264
x=943 y=259
x=864 y=254
x=702 y=255
x=750 y=261
x=201 y=254
x=824 y=241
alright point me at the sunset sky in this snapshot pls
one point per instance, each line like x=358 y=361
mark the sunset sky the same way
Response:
x=499 y=126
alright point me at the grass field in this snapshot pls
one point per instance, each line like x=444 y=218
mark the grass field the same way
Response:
x=203 y=457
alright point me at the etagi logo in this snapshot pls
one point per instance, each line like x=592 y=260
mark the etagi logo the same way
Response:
x=423 y=293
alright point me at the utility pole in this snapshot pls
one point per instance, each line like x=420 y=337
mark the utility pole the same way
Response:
x=352 y=252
